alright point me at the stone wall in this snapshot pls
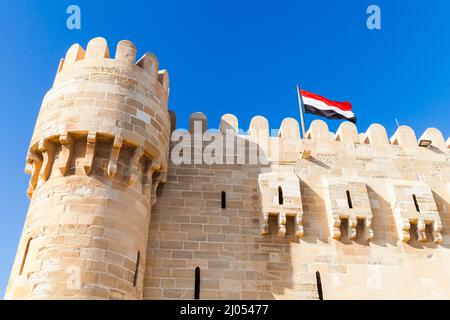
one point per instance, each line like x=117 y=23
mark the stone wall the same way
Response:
x=360 y=252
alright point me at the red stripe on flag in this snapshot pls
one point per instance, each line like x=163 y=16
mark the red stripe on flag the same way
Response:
x=345 y=106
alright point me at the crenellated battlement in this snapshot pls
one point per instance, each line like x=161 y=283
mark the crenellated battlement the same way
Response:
x=116 y=96
x=285 y=144
x=97 y=56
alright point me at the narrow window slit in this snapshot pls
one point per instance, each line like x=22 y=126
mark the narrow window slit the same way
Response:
x=24 y=259
x=224 y=200
x=319 y=285
x=280 y=196
x=136 y=272
x=416 y=203
x=349 y=200
x=197 y=284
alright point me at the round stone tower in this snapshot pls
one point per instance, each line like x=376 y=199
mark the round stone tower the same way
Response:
x=98 y=152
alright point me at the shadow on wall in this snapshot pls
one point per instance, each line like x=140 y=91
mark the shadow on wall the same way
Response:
x=315 y=220
x=383 y=222
x=444 y=211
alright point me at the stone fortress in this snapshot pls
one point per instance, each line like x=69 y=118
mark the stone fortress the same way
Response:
x=342 y=215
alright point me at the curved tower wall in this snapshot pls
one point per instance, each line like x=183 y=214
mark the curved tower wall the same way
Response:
x=97 y=154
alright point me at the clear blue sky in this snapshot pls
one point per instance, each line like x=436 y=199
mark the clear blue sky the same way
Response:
x=242 y=57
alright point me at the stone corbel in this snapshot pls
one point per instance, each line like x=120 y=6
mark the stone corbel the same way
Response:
x=368 y=227
x=90 y=152
x=421 y=230
x=155 y=183
x=298 y=226
x=436 y=229
x=148 y=180
x=405 y=226
x=32 y=167
x=48 y=157
x=336 y=227
x=152 y=178
x=133 y=173
x=114 y=156
x=65 y=158
x=352 y=224
x=161 y=173
x=265 y=224
x=281 y=224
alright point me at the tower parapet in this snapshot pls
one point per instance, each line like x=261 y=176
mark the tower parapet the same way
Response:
x=97 y=154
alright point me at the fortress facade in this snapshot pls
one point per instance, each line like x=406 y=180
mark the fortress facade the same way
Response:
x=115 y=214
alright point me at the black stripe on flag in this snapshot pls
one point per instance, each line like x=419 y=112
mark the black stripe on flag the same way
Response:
x=330 y=114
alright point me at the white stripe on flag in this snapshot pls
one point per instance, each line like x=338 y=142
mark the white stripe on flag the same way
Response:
x=323 y=106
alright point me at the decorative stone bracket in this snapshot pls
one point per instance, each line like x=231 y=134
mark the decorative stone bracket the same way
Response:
x=90 y=152
x=43 y=161
x=33 y=168
x=271 y=187
x=65 y=157
x=348 y=201
x=413 y=203
x=114 y=156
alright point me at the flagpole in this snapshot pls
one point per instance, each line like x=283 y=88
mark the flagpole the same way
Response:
x=300 y=105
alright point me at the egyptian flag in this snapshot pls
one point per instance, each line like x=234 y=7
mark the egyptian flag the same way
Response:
x=330 y=109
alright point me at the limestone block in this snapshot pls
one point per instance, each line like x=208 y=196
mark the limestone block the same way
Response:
x=133 y=170
x=48 y=154
x=413 y=203
x=75 y=53
x=90 y=151
x=198 y=123
x=347 y=132
x=229 y=122
x=271 y=187
x=149 y=63
x=126 y=52
x=348 y=200
x=289 y=129
x=67 y=146
x=318 y=131
x=405 y=138
x=97 y=48
x=33 y=168
x=436 y=137
x=114 y=156
x=286 y=147
x=259 y=134
x=163 y=78
x=376 y=135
